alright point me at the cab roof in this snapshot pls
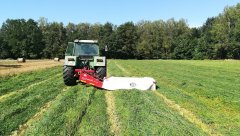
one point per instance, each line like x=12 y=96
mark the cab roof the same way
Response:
x=85 y=41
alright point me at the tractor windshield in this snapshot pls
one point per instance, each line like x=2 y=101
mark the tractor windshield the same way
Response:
x=86 y=49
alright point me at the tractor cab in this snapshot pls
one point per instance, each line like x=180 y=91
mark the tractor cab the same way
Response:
x=82 y=48
x=83 y=54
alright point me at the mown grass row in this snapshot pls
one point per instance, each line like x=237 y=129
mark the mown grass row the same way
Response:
x=78 y=111
x=10 y=84
x=143 y=113
x=210 y=91
x=72 y=111
x=185 y=77
x=20 y=107
x=63 y=116
x=95 y=122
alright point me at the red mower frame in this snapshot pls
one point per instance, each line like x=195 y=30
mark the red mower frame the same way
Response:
x=88 y=76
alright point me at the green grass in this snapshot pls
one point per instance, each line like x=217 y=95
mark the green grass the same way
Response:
x=19 y=108
x=95 y=122
x=10 y=84
x=65 y=114
x=144 y=113
x=210 y=89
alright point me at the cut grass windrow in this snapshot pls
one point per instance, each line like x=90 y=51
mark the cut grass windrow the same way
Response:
x=143 y=113
x=22 y=128
x=188 y=115
x=11 y=84
x=95 y=122
x=74 y=127
x=209 y=88
x=121 y=68
x=115 y=127
x=26 y=104
x=112 y=114
x=65 y=114
x=3 y=97
x=172 y=105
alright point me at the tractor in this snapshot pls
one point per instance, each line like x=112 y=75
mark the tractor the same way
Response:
x=82 y=62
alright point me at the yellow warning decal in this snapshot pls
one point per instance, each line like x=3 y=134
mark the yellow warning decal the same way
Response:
x=83 y=81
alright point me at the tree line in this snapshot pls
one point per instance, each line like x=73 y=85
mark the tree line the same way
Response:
x=218 y=38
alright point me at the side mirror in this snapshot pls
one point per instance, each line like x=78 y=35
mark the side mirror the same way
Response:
x=106 y=48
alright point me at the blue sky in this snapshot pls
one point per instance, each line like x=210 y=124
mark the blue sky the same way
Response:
x=117 y=12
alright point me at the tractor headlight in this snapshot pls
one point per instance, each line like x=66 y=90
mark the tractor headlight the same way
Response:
x=99 y=60
x=71 y=59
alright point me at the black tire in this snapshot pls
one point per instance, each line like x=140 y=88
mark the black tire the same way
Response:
x=68 y=76
x=101 y=72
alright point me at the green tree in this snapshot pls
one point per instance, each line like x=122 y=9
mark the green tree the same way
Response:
x=106 y=38
x=204 y=48
x=33 y=43
x=94 y=31
x=71 y=32
x=22 y=38
x=83 y=31
x=4 y=48
x=225 y=31
x=54 y=39
x=126 y=39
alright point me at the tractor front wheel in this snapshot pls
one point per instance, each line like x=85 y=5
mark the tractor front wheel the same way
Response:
x=68 y=76
x=101 y=72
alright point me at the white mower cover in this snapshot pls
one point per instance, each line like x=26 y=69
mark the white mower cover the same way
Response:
x=117 y=83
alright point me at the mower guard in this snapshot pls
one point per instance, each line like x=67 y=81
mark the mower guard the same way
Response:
x=120 y=83
x=115 y=83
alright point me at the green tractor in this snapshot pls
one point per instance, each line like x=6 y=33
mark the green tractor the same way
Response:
x=81 y=59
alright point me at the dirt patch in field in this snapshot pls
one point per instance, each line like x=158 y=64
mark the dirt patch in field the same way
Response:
x=112 y=114
x=11 y=67
x=22 y=128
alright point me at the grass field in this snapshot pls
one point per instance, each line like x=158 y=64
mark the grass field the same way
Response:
x=193 y=98
x=12 y=67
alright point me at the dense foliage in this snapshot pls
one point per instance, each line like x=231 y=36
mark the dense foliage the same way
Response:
x=218 y=38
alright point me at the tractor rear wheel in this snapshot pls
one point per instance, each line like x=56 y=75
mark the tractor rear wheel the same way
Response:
x=101 y=72
x=68 y=76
